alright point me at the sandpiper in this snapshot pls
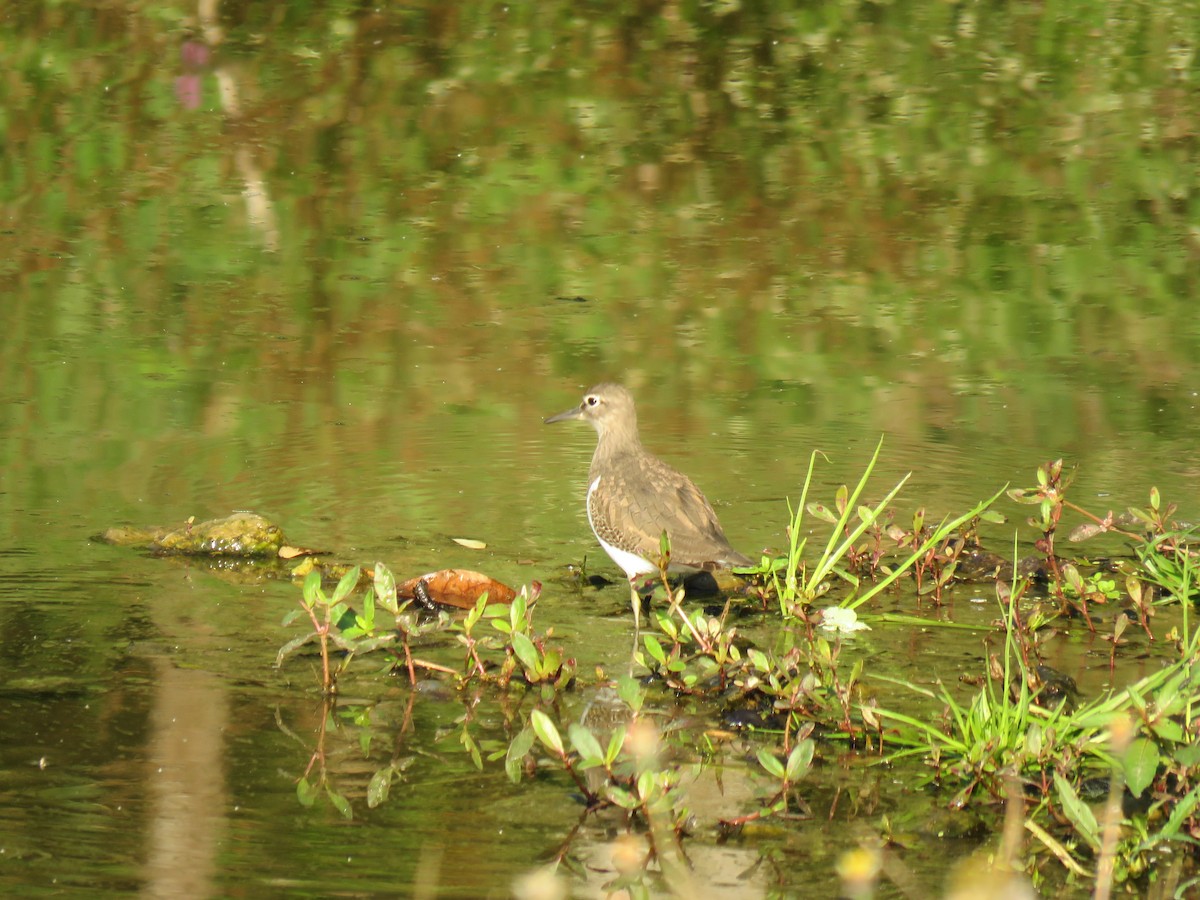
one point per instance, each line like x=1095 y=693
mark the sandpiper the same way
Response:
x=633 y=497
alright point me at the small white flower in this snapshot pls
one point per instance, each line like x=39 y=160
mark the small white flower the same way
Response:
x=840 y=619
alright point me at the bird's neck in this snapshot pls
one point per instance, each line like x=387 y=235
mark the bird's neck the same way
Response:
x=615 y=445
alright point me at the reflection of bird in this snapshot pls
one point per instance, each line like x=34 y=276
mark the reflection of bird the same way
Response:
x=633 y=497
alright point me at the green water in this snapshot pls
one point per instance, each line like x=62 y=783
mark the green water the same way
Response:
x=340 y=270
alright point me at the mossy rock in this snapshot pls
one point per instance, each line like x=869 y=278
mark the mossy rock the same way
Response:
x=242 y=535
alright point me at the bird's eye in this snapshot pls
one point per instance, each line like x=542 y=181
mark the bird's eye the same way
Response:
x=592 y=401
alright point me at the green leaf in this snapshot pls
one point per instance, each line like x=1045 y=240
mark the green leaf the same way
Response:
x=647 y=780
x=1077 y=811
x=516 y=613
x=621 y=797
x=379 y=786
x=1188 y=755
x=631 y=693
x=526 y=652
x=305 y=792
x=471 y=747
x=1181 y=813
x=346 y=586
x=822 y=512
x=759 y=660
x=771 y=763
x=585 y=745
x=312 y=589
x=475 y=614
x=292 y=616
x=615 y=742
x=385 y=588
x=1141 y=765
x=546 y=731
x=655 y=648
x=366 y=621
x=800 y=759
x=517 y=749
x=291 y=647
x=340 y=803
x=1169 y=730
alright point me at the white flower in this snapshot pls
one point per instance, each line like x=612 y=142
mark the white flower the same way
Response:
x=840 y=619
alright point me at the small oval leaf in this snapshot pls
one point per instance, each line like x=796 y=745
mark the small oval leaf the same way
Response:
x=1141 y=765
x=771 y=763
x=546 y=731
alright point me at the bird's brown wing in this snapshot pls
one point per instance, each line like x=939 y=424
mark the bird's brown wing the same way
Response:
x=653 y=497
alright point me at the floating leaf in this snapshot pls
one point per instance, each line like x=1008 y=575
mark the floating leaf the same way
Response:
x=460 y=588
x=1085 y=531
x=470 y=543
x=822 y=512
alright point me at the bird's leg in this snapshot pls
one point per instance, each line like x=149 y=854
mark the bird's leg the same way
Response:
x=636 y=599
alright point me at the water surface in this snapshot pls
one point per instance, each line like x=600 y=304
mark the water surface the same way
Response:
x=335 y=266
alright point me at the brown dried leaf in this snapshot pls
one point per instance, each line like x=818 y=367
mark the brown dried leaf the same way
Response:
x=460 y=588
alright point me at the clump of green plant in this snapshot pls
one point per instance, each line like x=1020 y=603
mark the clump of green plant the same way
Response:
x=854 y=545
x=633 y=770
x=1164 y=547
x=1056 y=748
x=335 y=625
x=807 y=684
